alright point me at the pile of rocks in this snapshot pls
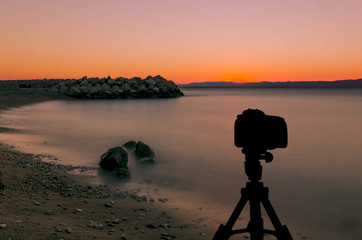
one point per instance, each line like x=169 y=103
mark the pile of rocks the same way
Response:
x=100 y=88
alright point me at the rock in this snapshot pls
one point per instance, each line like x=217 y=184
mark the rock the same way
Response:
x=84 y=82
x=78 y=210
x=130 y=145
x=156 y=89
x=69 y=83
x=126 y=87
x=68 y=230
x=74 y=92
x=95 y=90
x=111 y=81
x=144 y=152
x=84 y=89
x=105 y=87
x=94 y=224
x=63 y=89
x=150 y=81
x=163 y=200
x=115 y=221
x=57 y=229
x=49 y=212
x=147 y=160
x=165 y=236
x=120 y=172
x=114 y=158
x=3 y=226
x=151 y=225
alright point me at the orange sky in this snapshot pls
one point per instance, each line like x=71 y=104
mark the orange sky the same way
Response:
x=184 y=41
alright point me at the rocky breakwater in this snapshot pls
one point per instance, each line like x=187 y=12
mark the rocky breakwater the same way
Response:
x=102 y=88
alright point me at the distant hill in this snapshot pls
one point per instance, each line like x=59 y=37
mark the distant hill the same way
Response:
x=356 y=83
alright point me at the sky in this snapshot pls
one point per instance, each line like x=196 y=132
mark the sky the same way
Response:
x=182 y=40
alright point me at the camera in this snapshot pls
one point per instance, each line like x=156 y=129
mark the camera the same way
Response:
x=256 y=130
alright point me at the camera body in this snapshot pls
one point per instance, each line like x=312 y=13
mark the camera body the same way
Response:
x=256 y=130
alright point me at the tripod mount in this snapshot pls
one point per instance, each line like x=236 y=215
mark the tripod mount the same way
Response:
x=256 y=194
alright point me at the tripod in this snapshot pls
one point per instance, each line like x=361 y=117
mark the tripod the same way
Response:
x=255 y=193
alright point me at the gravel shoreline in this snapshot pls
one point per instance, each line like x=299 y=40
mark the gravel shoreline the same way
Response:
x=41 y=200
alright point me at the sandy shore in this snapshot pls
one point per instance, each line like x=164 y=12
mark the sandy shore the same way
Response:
x=40 y=200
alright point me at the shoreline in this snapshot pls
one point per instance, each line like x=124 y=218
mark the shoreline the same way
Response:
x=40 y=200
x=12 y=98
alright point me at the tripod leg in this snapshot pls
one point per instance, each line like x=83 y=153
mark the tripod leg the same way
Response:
x=255 y=226
x=281 y=232
x=224 y=231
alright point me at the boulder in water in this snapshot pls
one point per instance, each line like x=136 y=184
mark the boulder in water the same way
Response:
x=114 y=158
x=144 y=152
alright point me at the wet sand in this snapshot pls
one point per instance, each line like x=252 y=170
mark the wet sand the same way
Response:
x=41 y=200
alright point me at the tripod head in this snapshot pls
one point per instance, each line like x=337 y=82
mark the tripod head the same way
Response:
x=253 y=168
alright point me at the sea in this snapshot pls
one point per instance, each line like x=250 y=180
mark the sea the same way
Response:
x=315 y=184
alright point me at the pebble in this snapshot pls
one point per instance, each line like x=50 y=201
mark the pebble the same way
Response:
x=94 y=224
x=115 y=221
x=151 y=225
x=48 y=212
x=57 y=229
x=108 y=205
x=163 y=200
x=164 y=215
x=165 y=225
x=167 y=236
x=3 y=226
x=68 y=230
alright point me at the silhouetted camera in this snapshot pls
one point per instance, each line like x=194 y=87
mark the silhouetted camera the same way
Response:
x=253 y=129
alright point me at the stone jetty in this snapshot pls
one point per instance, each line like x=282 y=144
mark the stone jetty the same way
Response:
x=103 y=88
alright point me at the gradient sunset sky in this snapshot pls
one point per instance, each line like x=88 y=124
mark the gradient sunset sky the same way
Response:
x=184 y=41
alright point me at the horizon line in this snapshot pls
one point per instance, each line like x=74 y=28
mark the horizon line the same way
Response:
x=236 y=82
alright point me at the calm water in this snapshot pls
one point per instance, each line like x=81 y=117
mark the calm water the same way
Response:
x=315 y=184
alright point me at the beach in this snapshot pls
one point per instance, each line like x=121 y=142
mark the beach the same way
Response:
x=41 y=200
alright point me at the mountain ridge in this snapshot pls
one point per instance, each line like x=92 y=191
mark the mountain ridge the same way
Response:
x=347 y=83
